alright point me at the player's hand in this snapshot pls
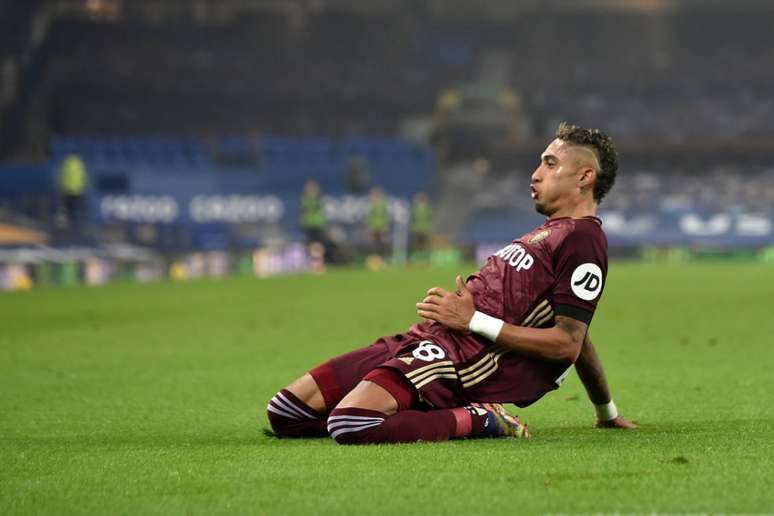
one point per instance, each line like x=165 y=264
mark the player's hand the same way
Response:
x=618 y=422
x=452 y=310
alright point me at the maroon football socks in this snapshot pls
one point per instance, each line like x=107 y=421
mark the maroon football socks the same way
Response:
x=361 y=426
x=291 y=417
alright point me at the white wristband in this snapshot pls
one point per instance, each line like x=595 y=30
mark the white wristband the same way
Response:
x=606 y=412
x=486 y=325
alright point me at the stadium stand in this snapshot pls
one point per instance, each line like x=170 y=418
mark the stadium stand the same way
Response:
x=257 y=104
x=648 y=205
x=260 y=172
x=253 y=76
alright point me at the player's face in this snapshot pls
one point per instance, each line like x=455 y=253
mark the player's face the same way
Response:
x=555 y=181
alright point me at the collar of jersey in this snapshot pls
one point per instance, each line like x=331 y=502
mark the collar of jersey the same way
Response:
x=591 y=217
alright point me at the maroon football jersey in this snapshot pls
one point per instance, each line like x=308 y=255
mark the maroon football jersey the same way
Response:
x=557 y=269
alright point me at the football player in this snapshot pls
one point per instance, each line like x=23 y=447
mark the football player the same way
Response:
x=509 y=334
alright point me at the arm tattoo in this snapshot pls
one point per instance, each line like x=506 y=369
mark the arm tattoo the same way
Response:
x=573 y=327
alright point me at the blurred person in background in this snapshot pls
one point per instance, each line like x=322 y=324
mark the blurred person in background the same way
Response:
x=378 y=222
x=313 y=220
x=421 y=223
x=73 y=180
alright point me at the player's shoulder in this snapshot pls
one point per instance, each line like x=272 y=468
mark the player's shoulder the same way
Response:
x=579 y=236
x=565 y=234
x=590 y=227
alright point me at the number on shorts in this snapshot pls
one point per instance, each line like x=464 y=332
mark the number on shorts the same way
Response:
x=428 y=351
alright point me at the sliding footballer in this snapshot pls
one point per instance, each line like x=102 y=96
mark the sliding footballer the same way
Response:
x=510 y=334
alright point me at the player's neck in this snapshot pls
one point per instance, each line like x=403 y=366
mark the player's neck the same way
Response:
x=584 y=208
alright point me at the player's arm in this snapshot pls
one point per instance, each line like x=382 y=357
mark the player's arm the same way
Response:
x=561 y=342
x=592 y=375
x=457 y=311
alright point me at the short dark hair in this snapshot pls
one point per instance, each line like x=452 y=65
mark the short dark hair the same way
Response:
x=602 y=145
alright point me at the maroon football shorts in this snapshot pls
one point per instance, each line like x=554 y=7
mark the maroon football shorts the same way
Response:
x=426 y=379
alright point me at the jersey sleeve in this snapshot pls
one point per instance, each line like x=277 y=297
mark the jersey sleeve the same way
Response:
x=580 y=271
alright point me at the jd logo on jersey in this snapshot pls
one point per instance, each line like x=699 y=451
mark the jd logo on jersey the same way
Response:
x=589 y=282
x=586 y=281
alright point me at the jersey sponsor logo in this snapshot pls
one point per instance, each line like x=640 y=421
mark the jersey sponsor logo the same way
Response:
x=586 y=281
x=516 y=256
x=540 y=236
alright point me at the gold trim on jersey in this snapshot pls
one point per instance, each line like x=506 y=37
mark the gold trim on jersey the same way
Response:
x=482 y=369
x=489 y=363
x=437 y=376
x=415 y=372
x=432 y=373
x=539 y=312
x=543 y=320
x=485 y=366
x=424 y=375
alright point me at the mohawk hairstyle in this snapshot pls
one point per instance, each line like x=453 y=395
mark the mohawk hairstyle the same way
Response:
x=602 y=146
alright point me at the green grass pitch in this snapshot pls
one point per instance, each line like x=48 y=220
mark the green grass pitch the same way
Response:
x=150 y=399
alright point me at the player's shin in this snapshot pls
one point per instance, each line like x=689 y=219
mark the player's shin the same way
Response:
x=362 y=426
x=291 y=417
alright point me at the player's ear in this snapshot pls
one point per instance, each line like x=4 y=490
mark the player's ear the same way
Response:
x=587 y=177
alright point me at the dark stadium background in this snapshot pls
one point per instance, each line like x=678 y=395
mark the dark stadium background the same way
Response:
x=157 y=287
x=198 y=123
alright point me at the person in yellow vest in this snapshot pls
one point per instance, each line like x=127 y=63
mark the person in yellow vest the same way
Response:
x=73 y=180
x=378 y=221
x=313 y=220
x=421 y=223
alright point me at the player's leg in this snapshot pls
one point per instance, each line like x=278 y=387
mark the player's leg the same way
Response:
x=379 y=410
x=300 y=409
x=382 y=409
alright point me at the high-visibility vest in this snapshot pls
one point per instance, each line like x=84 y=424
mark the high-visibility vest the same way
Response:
x=73 y=175
x=312 y=213
x=421 y=218
x=378 y=217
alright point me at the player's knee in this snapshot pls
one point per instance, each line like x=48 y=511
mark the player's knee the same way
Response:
x=355 y=426
x=289 y=416
x=279 y=424
x=307 y=392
